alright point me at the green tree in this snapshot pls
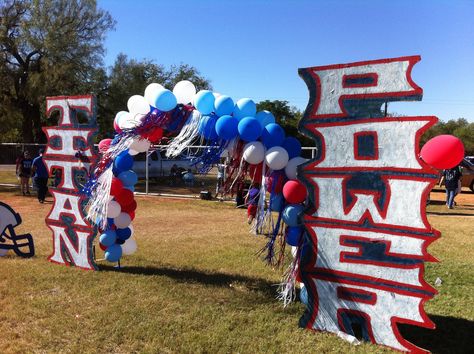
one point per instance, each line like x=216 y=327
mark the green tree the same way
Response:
x=287 y=116
x=48 y=47
x=128 y=77
x=460 y=128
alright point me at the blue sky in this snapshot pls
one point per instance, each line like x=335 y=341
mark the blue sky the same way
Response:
x=254 y=48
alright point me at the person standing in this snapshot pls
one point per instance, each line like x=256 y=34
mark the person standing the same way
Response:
x=252 y=202
x=220 y=180
x=451 y=181
x=41 y=176
x=23 y=169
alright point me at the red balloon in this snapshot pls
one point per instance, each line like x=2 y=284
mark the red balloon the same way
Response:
x=130 y=207
x=104 y=145
x=294 y=192
x=124 y=198
x=155 y=135
x=117 y=186
x=132 y=215
x=255 y=173
x=275 y=182
x=443 y=152
x=116 y=127
x=102 y=247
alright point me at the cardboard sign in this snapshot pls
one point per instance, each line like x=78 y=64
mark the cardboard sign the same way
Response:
x=364 y=265
x=68 y=157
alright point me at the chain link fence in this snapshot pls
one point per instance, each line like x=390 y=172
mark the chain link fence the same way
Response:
x=152 y=168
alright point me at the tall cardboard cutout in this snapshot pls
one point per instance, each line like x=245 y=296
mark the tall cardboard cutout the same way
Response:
x=70 y=154
x=368 y=232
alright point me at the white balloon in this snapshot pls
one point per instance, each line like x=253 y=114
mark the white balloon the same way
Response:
x=122 y=221
x=133 y=152
x=254 y=152
x=140 y=145
x=138 y=105
x=290 y=168
x=129 y=247
x=184 y=91
x=131 y=229
x=151 y=91
x=113 y=209
x=126 y=121
x=276 y=158
x=118 y=116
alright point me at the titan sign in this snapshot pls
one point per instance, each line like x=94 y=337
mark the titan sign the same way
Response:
x=68 y=157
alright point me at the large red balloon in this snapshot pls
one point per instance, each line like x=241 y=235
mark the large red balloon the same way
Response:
x=104 y=145
x=294 y=192
x=116 y=187
x=443 y=152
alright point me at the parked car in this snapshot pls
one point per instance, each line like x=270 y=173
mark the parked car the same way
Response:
x=159 y=165
x=467 y=174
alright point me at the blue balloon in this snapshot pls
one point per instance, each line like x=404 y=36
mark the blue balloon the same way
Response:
x=165 y=100
x=124 y=234
x=123 y=162
x=128 y=178
x=108 y=238
x=249 y=129
x=291 y=214
x=130 y=188
x=223 y=105
x=304 y=296
x=226 y=127
x=207 y=127
x=276 y=202
x=110 y=222
x=272 y=135
x=265 y=118
x=113 y=253
x=245 y=107
x=292 y=146
x=204 y=102
x=293 y=235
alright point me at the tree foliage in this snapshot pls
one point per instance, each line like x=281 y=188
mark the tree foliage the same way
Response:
x=129 y=77
x=48 y=48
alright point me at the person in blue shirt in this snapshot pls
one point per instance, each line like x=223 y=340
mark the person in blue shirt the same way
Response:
x=40 y=174
x=451 y=182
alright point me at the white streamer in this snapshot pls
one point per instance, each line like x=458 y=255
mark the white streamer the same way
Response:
x=186 y=136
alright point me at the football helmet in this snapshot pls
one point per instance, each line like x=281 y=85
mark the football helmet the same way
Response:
x=23 y=244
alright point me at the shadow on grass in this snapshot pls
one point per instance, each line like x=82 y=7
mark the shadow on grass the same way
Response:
x=206 y=278
x=449 y=214
x=452 y=335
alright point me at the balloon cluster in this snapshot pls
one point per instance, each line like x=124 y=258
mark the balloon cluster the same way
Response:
x=116 y=237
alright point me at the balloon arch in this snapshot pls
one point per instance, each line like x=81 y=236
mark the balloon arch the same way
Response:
x=255 y=145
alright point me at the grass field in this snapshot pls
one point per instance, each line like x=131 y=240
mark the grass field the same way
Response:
x=195 y=285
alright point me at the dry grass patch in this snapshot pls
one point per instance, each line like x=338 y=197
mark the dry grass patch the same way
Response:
x=195 y=285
